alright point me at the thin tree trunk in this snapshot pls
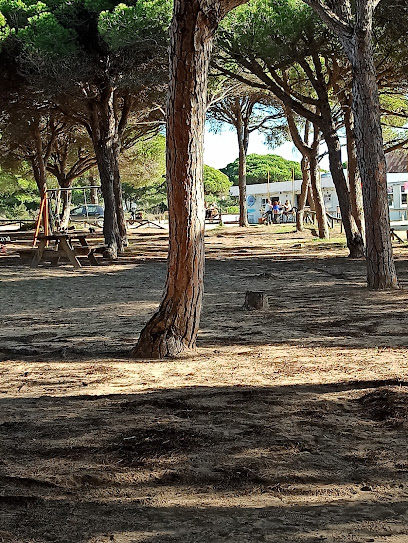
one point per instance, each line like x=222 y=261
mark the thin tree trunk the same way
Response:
x=243 y=210
x=173 y=329
x=311 y=178
x=93 y=192
x=66 y=198
x=355 y=242
x=303 y=194
x=381 y=273
x=354 y=178
x=320 y=208
x=37 y=161
x=120 y=212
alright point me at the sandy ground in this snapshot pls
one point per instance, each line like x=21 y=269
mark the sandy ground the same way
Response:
x=287 y=425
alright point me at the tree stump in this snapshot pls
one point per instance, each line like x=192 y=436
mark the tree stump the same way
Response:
x=255 y=300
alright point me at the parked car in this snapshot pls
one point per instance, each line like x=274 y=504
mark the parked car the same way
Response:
x=89 y=213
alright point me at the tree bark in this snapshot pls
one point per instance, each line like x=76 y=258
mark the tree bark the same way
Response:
x=120 y=212
x=93 y=192
x=173 y=329
x=354 y=178
x=111 y=232
x=104 y=133
x=309 y=160
x=300 y=225
x=381 y=273
x=38 y=161
x=242 y=149
x=355 y=34
x=355 y=242
x=66 y=198
x=320 y=208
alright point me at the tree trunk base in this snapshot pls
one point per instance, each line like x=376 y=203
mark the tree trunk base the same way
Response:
x=255 y=300
x=160 y=344
x=110 y=253
x=384 y=284
x=356 y=247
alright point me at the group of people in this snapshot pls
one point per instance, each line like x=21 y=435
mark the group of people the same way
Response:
x=211 y=210
x=274 y=210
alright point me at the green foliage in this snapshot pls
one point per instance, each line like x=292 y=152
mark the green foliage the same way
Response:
x=231 y=209
x=276 y=29
x=144 y=163
x=4 y=29
x=18 y=12
x=258 y=167
x=143 y=172
x=394 y=118
x=56 y=28
x=143 y=169
x=126 y=25
x=152 y=199
x=44 y=33
x=215 y=182
x=19 y=197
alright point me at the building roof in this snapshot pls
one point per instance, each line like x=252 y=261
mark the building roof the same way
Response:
x=262 y=188
x=397 y=161
x=326 y=181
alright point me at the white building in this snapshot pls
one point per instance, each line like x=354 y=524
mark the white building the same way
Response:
x=290 y=190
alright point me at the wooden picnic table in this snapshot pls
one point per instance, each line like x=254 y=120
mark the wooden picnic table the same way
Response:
x=64 y=246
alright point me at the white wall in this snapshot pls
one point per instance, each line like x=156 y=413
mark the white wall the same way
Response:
x=288 y=190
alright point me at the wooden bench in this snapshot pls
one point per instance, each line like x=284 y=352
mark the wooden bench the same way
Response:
x=398 y=226
x=64 y=247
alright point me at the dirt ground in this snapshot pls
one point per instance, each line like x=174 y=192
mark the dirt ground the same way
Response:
x=288 y=424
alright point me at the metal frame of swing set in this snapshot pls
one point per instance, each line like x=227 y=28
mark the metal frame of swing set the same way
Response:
x=48 y=196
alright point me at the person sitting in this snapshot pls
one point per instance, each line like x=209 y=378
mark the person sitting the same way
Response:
x=276 y=210
x=211 y=211
x=287 y=209
x=268 y=212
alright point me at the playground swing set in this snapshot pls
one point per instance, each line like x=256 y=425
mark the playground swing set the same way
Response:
x=65 y=245
x=49 y=215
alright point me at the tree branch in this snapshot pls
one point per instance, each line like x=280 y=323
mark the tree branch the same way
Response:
x=333 y=21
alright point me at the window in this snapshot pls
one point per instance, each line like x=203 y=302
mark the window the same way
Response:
x=403 y=195
x=390 y=195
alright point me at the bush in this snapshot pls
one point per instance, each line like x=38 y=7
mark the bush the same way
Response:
x=258 y=167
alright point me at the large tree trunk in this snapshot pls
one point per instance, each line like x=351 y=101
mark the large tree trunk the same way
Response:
x=320 y=208
x=355 y=34
x=111 y=233
x=381 y=273
x=40 y=177
x=173 y=329
x=354 y=239
x=106 y=145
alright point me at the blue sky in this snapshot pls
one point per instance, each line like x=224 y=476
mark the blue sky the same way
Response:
x=222 y=148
